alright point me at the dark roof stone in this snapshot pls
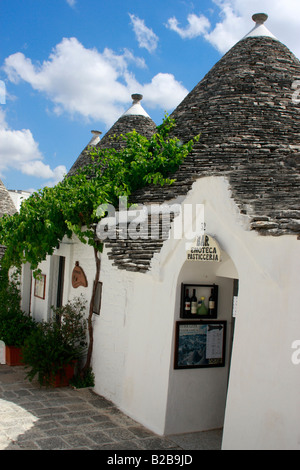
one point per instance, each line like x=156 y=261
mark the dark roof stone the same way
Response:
x=6 y=204
x=127 y=123
x=143 y=125
x=250 y=134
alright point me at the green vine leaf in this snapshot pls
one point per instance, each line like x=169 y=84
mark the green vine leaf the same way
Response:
x=72 y=206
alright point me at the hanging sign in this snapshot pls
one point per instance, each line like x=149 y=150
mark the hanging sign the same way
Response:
x=205 y=248
x=78 y=276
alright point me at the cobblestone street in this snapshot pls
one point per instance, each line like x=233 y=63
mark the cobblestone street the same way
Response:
x=34 y=418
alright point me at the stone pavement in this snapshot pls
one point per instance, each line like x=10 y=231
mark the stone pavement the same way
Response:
x=35 y=418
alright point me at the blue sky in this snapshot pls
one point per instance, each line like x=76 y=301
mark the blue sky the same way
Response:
x=70 y=66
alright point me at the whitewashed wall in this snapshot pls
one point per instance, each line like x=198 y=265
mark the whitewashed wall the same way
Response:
x=133 y=357
x=134 y=341
x=73 y=251
x=39 y=307
x=263 y=406
x=134 y=335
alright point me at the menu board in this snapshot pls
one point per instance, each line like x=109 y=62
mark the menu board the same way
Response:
x=200 y=344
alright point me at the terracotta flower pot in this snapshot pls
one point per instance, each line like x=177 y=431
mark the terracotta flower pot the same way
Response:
x=63 y=376
x=13 y=356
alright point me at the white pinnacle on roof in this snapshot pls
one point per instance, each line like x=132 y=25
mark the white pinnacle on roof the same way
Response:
x=96 y=138
x=136 y=109
x=259 y=28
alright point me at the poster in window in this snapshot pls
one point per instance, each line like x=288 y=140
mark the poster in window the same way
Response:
x=200 y=344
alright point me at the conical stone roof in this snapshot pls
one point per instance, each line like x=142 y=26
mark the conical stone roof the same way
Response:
x=250 y=133
x=6 y=204
x=134 y=118
x=249 y=121
x=84 y=158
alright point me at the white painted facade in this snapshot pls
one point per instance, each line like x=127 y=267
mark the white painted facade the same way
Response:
x=255 y=397
x=18 y=197
x=72 y=251
x=138 y=318
x=134 y=335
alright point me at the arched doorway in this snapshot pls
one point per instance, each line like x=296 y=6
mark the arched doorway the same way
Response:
x=197 y=395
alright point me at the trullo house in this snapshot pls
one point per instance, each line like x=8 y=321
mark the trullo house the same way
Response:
x=228 y=236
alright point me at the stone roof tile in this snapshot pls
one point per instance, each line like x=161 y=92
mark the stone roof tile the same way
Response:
x=250 y=133
x=134 y=118
x=6 y=204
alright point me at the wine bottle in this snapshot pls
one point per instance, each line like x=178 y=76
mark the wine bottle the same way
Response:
x=212 y=304
x=194 y=303
x=203 y=309
x=187 y=303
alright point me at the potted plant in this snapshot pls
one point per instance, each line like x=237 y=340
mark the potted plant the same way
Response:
x=15 y=325
x=83 y=379
x=52 y=350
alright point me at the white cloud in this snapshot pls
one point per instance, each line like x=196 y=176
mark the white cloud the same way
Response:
x=235 y=22
x=283 y=21
x=71 y=2
x=145 y=36
x=2 y=92
x=197 y=26
x=76 y=79
x=230 y=30
x=19 y=151
x=91 y=84
x=162 y=91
